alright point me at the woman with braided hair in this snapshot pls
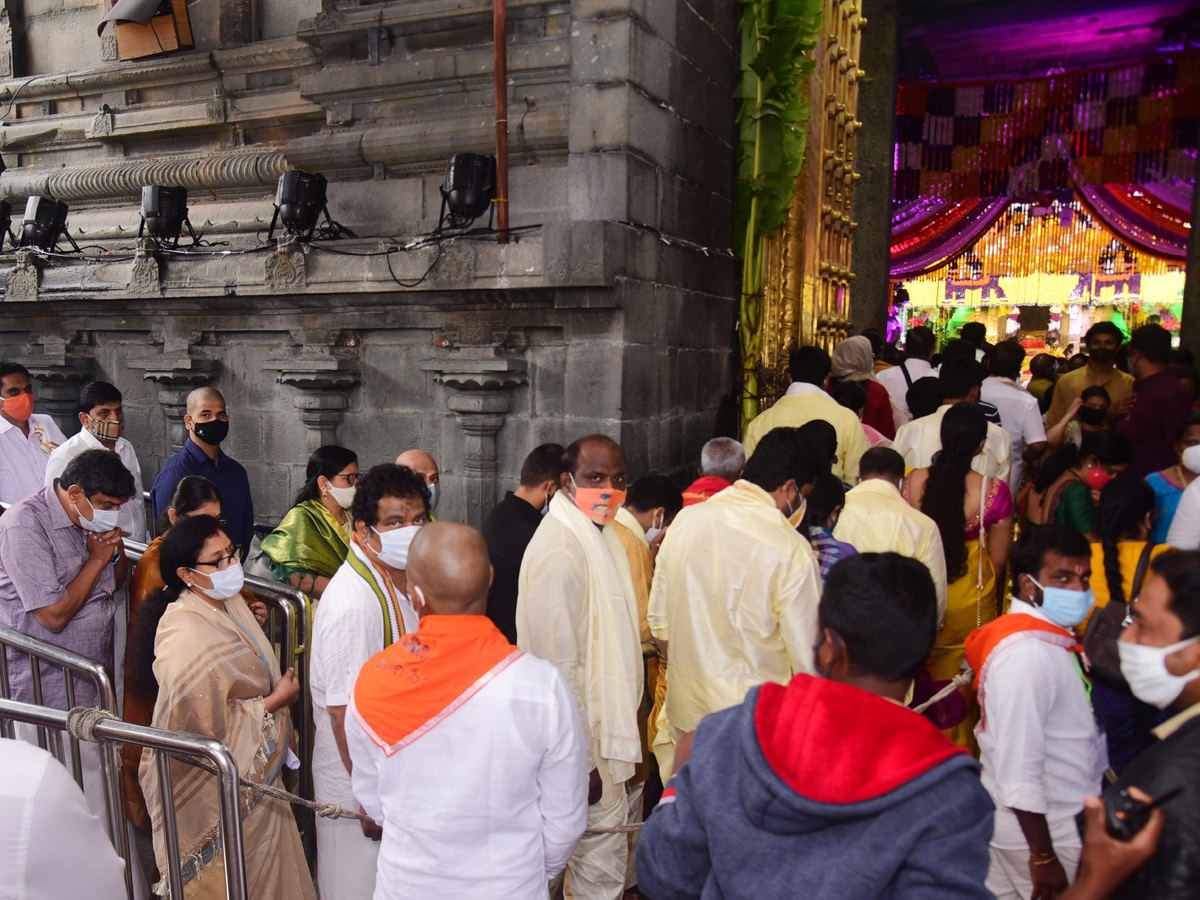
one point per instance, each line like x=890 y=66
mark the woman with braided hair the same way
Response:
x=974 y=518
x=1126 y=517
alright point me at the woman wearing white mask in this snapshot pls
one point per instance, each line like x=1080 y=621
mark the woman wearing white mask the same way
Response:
x=1169 y=484
x=312 y=540
x=216 y=675
x=1160 y=658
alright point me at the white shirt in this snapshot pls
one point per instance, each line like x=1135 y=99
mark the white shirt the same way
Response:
x=347 y=631
x=1185 y=527
x=490 y=803
x=918 y=441
x=1020 y=417
x=893 y=380
x=23 y=458
x=1039 y=744
x=804 y=389
x=133 y=511
x=50 y=842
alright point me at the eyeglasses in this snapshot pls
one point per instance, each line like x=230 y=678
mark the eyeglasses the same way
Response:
x=223 y=562
x=351 y=477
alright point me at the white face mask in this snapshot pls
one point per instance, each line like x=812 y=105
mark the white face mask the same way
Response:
x=102 y=520
x=394 y=545
x=654 y=531
x=795 y=517
x=1191 y=459
x=546 y=505
x=435 y=494
x=226 y=582
x=343 y=496
x=1145 y=668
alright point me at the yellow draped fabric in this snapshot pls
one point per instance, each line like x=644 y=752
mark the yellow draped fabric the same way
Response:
x=968 y=605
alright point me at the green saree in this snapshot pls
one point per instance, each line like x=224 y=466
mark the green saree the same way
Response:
x=309 y=541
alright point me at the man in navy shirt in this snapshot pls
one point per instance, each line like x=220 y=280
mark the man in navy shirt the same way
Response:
x=207 y=424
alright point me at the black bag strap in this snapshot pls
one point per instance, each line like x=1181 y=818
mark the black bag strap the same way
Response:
x=904 y=372
x=1139 y=575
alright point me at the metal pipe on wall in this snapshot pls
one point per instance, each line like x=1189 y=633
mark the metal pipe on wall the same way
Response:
x=500 y=39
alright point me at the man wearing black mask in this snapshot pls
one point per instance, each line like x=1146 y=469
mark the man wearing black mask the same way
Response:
x=207 y=424
x=1102 y=340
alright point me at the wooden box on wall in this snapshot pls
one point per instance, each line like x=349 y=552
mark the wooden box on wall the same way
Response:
x=163 y=34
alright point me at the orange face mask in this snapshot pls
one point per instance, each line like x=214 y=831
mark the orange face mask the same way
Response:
x=19 y=407
x=598 y=504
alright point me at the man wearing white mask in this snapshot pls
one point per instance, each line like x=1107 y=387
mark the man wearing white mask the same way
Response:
x=1160 y=658
x=1041 y=750
x=576 y=608
x=61 y=559
x=102 y=421
x=364 y=609
x=425 y=466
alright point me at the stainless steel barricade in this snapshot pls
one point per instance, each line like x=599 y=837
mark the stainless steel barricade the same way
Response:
x=187 y=748
x=72 y=665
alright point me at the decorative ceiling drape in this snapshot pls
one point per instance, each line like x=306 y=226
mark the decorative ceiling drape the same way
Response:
x=1132 y=125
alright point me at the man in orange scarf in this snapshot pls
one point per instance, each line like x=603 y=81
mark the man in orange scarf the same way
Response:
x=1041 y=750
x=468 y=752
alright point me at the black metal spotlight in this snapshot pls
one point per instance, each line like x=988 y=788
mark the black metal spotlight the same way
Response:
x=165 y=214
x=299 y=203
x=45 y=221
x=468 y=190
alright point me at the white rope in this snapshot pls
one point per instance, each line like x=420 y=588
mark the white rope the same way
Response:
x=962 y=679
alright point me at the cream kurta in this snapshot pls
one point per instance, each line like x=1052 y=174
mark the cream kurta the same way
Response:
x=810 y=403
x=735 y=594
x=919 y=440
x=877 y=519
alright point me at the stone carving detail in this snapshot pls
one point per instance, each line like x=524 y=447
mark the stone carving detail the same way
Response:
x=145 y=277
x=123 y=180
x=217 y=108
x=321 y=380
x=60 y=367
x=177 y=376
x=103 y=123
x=22 y=281
x=284 y=270
x=108 y=46
x=480 y=382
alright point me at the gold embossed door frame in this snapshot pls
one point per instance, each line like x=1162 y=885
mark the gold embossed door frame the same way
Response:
x=806 y=296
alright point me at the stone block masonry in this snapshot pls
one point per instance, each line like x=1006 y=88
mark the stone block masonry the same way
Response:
x=613 y=309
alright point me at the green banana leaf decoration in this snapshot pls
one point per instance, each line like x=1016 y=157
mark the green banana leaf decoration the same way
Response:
x=777 y=37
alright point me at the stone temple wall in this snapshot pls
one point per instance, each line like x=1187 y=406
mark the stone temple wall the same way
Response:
x=613 y=309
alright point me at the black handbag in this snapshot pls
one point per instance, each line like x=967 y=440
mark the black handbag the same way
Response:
x=1104 y=630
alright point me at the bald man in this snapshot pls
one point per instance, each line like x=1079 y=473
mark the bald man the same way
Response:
x=468 y=752
x=577 y=607
x=207 y=424
x=425 y=466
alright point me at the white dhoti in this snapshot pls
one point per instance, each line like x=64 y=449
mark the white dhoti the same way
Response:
x=599 y=867
x=346 y=859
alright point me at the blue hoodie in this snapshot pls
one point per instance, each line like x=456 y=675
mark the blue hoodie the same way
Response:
x=819 y=791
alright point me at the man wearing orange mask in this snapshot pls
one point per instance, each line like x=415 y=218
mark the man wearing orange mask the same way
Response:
x=576 y=607
x=26 y=439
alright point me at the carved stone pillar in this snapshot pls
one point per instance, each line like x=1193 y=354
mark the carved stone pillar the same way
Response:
x=176 y=376
x=320 y=403
x=480 y=402
x=57 y=381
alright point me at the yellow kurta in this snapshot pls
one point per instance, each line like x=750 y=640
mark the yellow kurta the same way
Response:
x=795 y=410
x=1073 y=384
x=735 y=593
x=919 y=440
x=877 y=519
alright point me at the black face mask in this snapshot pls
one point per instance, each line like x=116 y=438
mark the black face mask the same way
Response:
x=1102 y=355
x=211 y=433
x=1089 y=415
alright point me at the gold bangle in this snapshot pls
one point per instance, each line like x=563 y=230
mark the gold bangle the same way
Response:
x=1044 y=861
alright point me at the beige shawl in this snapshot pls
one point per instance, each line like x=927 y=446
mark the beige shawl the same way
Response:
x=214 y=667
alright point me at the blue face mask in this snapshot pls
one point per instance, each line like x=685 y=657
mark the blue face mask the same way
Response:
x=1063 y=607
